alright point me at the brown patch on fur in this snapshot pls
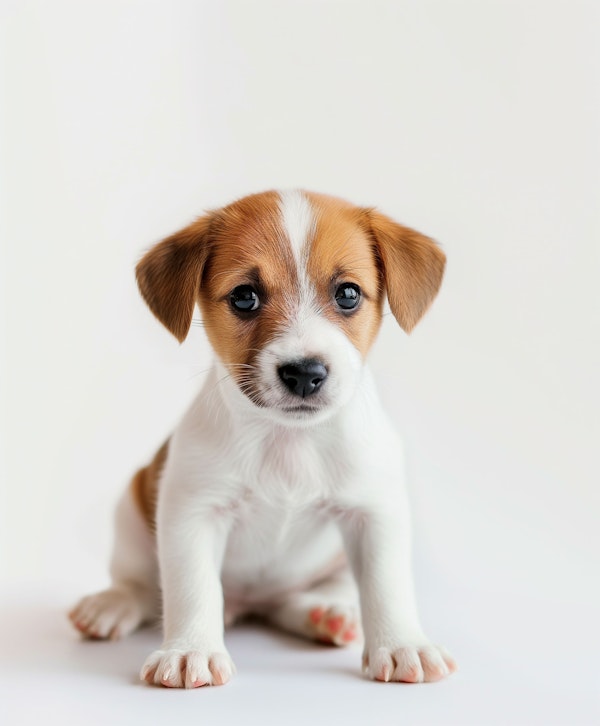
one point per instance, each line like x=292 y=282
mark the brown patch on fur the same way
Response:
x=342 y=252
x=169 y=274
x=248 y=247
x=144 y=486
x=413 y=267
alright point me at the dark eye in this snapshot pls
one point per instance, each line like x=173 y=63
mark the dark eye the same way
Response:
x=244 y=299
x=347 y=296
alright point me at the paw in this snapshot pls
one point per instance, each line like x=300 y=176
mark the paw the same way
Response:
x=338 y=625
x=108 y=614
x=409 y=664
x=187 y=668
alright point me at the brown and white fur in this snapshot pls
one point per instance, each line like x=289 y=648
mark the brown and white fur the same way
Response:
x=268 y=500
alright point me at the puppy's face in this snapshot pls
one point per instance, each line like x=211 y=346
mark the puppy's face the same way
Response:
x=291 y=288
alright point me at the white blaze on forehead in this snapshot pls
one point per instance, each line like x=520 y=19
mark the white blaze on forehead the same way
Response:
x=299 y=223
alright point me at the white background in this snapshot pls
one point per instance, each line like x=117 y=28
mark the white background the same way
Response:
x=477 y=122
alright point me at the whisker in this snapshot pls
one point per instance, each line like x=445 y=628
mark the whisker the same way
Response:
x=198 y=373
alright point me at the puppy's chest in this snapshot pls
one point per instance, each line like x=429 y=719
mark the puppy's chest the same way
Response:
x=295 y=467
x=272 y=547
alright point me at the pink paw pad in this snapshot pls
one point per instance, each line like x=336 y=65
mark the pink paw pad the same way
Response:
x=332 y=626
x=316 y=615
x=335 y=624
x=349 y=635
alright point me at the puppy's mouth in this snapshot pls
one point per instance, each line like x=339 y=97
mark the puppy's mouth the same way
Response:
x=300 y=411
x=302 y=408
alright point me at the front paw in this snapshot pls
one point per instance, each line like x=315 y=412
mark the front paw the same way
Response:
x=175 y=668
x=421 y=663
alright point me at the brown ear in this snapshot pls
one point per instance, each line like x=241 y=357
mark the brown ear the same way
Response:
x=169 y=274
x=413 y=267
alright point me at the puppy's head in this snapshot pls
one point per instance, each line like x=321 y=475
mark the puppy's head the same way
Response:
x=291 y=288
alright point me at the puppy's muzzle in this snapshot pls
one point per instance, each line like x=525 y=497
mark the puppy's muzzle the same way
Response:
x=303 y=377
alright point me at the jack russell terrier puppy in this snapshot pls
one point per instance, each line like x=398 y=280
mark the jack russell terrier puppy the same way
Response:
x=281 y=489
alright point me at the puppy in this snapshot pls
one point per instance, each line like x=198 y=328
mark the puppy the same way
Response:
x=281 y=490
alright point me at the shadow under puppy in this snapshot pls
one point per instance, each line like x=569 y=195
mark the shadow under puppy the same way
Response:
x=281 y=489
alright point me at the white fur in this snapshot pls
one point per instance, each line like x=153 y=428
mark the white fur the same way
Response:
x=299 y=223
x=256 y=507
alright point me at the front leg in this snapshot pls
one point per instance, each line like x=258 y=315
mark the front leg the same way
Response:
x=191 y=544
x=396 y=649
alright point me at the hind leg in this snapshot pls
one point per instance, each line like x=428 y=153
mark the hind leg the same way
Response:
x=133 y=597
x=327 y=612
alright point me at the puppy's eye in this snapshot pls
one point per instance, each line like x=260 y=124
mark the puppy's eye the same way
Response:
x=244 y=299
x=347 y=296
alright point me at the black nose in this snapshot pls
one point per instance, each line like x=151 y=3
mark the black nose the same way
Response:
x=303 y=377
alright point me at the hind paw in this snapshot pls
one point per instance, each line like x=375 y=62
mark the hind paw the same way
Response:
x=338 y=625
x=110 y=614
